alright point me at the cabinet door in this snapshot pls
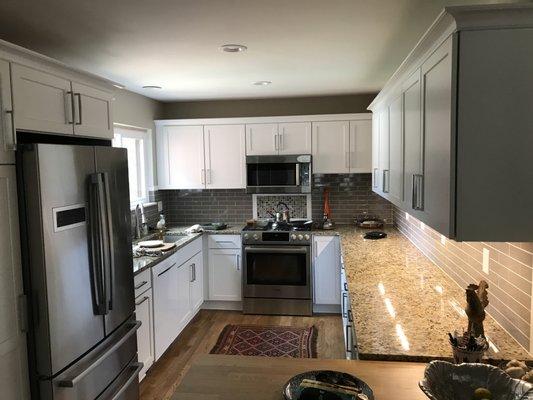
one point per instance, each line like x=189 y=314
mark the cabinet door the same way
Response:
x=41 y=101
x=145 y=333
x=183 y=304
x=185 y=150
x=436 y=105
x=262 y=139
x=384 y=165
x=375 y=151
x=331 y=147
x=7 y=130
x=361 y=146
x=395 y=174
x=13 y=361
x=196 y=267
x=225 y=156
x=327 y=271
x=92 y=112
x=225 y=275
x=294 y=138
x=165 y=295
x=412 y=128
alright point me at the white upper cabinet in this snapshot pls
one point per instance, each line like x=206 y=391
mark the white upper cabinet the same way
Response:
x=360 y=144
x=225 y=156
x=395 y=175
x=262 y=139
x=375 y=151
x=384 y=143
x=185 y=156
x=294 y=138
x=331 y=147
x=7 y=129
x=92 y=111
x=412 y=125
x=13 y=359
x=42 y=102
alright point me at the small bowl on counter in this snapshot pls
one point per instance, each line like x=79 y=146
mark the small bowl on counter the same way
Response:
x=447 y=381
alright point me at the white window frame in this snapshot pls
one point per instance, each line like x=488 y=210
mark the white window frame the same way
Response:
x=145 y=135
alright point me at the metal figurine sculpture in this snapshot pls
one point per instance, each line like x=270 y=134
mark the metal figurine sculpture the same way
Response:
x=477 y=300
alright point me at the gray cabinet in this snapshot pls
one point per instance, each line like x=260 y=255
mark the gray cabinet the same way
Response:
x=463 y=126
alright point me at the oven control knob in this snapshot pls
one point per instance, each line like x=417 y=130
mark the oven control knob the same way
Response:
x=256 y=236
x=300 y=237
x=246 y=236
x=307 y=237
x=293 y=236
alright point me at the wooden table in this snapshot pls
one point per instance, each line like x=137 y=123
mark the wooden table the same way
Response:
x=219 y=377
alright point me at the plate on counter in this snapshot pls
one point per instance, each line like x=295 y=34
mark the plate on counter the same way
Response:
x=151 y=243
x=341 y=385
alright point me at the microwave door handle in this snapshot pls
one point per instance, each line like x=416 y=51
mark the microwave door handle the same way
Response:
x=297 y=174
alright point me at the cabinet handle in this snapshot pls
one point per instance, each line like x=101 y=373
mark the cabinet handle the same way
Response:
x=348 y=339
x=193 y=272
x=385 y=183
x=281 y=140
x=202 y=176
x=69 y=107
x=208 y=174
x=417 y=193
x=78 y=95
x=350 y=316
x=347 y=159
x=140 y=285
x=345 y=286
x=315 y=251
x=238 y=262
x=376 y=177
x=413 y=192
x=276 y=141
x=138 y=303
x=343 y=305
x=169 y=268
x=13 y=144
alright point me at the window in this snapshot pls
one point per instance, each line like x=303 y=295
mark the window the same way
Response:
x=137 y=143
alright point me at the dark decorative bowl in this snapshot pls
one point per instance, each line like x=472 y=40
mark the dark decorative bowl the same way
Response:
x=447 y=381
x=293 y=391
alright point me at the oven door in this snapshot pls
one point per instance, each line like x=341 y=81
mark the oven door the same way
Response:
x=277 y=272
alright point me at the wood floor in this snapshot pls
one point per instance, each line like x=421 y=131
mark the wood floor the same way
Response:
x=202 y=333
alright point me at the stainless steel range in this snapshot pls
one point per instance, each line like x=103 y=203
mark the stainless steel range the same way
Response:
x=277 y=269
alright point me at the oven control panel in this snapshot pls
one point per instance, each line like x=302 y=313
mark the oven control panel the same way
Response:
x=276 y=237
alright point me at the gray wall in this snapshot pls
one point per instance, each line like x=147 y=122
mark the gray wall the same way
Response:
x=355 y=103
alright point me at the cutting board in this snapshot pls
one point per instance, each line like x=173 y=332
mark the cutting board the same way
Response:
x=164 y=247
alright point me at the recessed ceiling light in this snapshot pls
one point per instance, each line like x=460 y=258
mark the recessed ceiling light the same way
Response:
x=233 y=48
x=152 y=87
x=262 y=83
x=119 y=86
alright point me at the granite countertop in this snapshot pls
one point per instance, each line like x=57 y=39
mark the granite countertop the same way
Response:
x=142 y=263
x=404 y=305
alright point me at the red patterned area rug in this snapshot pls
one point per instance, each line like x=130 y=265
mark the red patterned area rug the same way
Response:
x=267 y=341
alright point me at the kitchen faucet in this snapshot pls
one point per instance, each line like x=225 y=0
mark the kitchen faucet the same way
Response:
x=141 y=226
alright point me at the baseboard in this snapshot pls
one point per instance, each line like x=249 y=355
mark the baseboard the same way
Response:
x=327 y=308
x=222 y=305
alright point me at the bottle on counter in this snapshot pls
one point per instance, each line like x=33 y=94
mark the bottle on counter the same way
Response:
x=161 y=225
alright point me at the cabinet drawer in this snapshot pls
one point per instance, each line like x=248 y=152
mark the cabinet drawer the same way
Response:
x=142 y=282
x=224 y=241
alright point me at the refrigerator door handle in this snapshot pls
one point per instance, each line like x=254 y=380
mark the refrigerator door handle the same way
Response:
x=97 y=261
x=135 y=369
x=110 y=267
x=71 y=382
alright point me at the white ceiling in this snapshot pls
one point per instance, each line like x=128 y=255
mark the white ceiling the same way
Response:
x=305 y=47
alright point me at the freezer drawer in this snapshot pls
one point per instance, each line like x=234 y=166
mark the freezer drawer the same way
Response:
x=95 y=372
x=126 y=386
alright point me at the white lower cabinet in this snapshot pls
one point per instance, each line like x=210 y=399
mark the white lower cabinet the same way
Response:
x=165 y=286
x=225 y=274
x=326 y=270
x=144 y=312
x=196 y=267
x=177 y=293
x=13 y=359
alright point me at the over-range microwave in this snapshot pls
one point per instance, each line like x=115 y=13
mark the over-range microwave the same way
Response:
x=278 y=174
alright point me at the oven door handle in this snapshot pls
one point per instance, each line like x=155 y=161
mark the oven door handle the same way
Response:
x=277 y=250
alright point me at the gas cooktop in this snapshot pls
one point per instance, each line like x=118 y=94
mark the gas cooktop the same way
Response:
x=281 y=226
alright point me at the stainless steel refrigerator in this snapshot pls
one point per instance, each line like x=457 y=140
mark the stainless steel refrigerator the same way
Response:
x=78 y=273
